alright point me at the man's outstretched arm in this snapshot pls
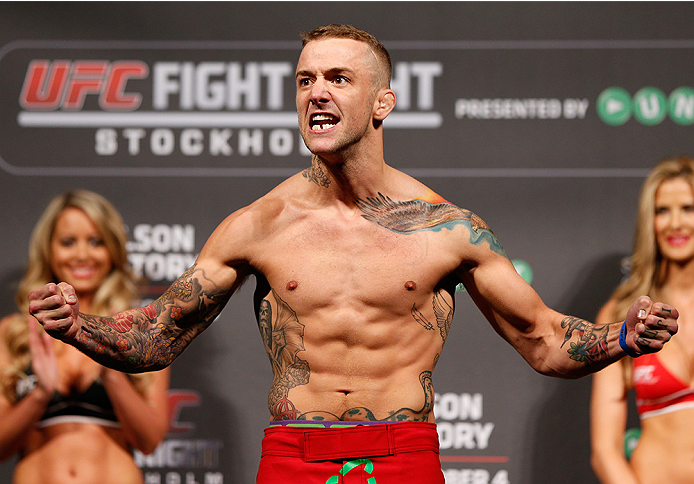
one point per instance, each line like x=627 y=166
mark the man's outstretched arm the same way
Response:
x=556 y=344
x=143 y=339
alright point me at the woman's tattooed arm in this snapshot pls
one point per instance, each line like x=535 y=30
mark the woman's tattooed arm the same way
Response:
x=152 y=337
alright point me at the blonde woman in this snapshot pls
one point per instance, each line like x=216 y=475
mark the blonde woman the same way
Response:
x=663 y=268
x=68 y=418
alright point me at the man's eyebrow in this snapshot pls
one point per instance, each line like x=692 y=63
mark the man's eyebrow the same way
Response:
x=302 y=73
x=331 y=71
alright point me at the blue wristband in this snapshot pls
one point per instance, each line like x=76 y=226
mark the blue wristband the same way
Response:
x=623 y=341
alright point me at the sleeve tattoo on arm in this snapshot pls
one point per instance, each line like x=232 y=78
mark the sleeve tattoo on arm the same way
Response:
x=153 y=336
x=417 y=215
x=591 y=345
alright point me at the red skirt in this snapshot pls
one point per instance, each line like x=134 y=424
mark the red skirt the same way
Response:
x=386 y=453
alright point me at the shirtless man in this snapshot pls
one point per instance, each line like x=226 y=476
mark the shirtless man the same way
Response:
x=356 y=266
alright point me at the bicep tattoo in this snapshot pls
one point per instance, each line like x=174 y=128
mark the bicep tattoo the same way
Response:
x=193 y=299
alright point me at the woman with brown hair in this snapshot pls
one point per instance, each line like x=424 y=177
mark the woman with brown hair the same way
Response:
x=662 y=266
x=69 y=418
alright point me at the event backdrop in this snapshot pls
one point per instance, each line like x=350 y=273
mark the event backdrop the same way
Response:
x=543 y=118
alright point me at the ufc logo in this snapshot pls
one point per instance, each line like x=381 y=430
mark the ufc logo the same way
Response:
x=178 y=399
x=63 y=84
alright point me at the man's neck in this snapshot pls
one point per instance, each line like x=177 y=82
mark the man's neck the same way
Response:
x=347 y=179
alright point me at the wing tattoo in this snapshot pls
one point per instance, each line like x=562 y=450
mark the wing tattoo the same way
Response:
x=418 y=215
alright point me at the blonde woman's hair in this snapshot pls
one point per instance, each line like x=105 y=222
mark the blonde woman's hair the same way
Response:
x=647 y=271
x=116 y=293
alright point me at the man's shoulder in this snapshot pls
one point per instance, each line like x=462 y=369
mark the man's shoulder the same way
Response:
x=243 y=234
x=408 y=188
x=418 y=207
x=413 y=203
x=264 y=211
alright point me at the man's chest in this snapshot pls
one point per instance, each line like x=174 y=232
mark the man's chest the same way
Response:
x=362 y=262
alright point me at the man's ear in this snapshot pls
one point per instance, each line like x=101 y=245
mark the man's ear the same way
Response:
x=384 y=104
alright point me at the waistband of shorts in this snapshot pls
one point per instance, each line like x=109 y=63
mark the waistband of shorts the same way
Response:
x=325 y=424
x=317 y=444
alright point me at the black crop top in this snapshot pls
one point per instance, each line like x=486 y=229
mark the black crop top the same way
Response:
x=90 y=406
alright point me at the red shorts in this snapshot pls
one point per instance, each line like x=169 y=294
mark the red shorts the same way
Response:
x=387 y=453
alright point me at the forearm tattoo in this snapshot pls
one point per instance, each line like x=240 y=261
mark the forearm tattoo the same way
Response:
x=315 y=173
x=152 y=337
x=283 y=336
x=418 y=215
x=591 y=345
x=443 y=312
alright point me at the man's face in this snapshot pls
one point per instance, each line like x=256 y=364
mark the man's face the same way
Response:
x=335 y=94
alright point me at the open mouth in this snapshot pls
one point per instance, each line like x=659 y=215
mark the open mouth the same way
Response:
x=321 y=122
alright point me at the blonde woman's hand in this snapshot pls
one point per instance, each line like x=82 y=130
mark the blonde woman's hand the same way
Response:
x=43 y=360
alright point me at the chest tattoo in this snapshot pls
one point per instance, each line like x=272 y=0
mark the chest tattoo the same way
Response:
x=417 y=215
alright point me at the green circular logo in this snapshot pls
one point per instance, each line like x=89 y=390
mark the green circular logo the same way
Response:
x=614 y=106
x=650 y=106
x=524 y=269
x=682 y=105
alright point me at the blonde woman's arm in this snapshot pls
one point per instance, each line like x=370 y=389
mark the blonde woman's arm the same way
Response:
x=18 y=419
x=144 y=417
